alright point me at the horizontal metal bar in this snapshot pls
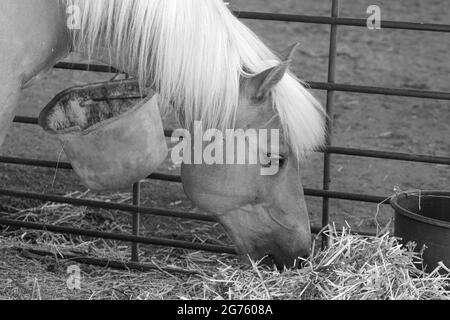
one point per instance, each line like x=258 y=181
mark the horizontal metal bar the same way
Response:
x=68 y=166
x=176 y=214
x=174 y=178
x=388 y=155
x=165 y=177
x=106 y=263
x=398 y=92
x=424 y=94
x=347 y=196
x=401 y=25
x=26 y=120
x=132 y=239
x=119 y=237
x=36 y=163
x=86 y=67
x=107 y=205
x=333 y=149
x=309 y=192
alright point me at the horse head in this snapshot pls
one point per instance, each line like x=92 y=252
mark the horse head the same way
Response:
x=264 y=214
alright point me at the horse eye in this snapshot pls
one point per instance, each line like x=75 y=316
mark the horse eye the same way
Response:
x=272 y=157
x=282 y=161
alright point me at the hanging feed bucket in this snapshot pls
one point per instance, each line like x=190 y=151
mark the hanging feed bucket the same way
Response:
x=112 y=135
x=425 y=219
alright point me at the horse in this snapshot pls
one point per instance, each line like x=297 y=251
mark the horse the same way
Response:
x=207 y=67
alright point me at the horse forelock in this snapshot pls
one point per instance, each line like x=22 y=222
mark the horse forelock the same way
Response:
x=194 y=52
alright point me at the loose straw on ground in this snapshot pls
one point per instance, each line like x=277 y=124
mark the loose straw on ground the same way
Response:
x=353 y=267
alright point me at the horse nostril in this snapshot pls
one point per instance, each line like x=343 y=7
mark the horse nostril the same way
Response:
x=271 y=259
x=289 y=260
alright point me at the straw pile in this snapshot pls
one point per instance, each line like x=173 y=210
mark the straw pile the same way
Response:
x=352 y=267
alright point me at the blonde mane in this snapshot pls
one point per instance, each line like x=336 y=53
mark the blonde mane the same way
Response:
x=194 y=52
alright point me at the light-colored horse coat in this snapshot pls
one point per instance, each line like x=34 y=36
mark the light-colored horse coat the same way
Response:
x=207 y=65
x=33 y=37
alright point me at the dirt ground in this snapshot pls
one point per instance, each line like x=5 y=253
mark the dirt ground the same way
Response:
x=389 y=58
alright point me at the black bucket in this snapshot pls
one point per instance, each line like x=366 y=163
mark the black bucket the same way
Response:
x=424 y=217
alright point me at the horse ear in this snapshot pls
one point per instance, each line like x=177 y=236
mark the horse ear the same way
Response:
x=263 y=83
x=289 y=52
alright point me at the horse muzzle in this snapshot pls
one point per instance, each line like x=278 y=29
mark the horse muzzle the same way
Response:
x=268 y=235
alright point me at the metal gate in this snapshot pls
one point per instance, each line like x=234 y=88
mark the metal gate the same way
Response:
x=137 y=211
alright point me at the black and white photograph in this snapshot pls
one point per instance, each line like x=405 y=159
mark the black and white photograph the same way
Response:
x=224 y=156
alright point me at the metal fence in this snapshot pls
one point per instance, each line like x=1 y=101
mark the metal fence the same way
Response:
x=137 y=211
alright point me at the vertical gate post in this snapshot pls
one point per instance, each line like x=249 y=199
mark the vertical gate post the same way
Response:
x=330 y=113
x=136 y=221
